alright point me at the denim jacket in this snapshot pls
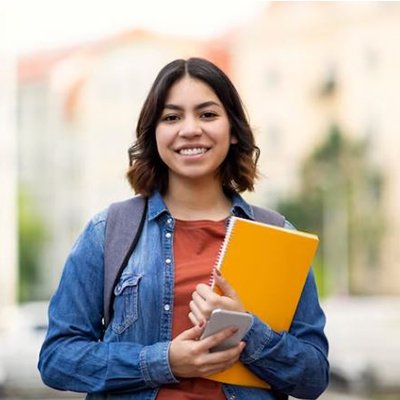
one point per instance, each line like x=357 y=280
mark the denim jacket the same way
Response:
x=131 y=360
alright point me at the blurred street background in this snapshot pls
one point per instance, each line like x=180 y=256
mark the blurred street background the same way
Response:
x=320 y=82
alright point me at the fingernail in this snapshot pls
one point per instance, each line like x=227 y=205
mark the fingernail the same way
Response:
x=201 y=323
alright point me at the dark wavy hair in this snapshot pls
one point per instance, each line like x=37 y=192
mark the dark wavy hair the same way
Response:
x=147 y=172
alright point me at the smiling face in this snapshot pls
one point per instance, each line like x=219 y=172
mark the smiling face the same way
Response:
x=193 y=132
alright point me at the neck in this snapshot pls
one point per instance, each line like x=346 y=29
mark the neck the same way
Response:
x=194 y=202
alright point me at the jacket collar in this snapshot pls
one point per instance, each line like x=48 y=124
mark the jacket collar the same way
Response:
x=240 y=208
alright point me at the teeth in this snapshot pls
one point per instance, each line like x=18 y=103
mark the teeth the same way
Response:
x=192 y=152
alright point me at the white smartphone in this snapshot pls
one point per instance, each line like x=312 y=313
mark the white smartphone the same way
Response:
x=221 y=319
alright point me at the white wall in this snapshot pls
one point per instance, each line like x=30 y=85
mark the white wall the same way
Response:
x=8 y=173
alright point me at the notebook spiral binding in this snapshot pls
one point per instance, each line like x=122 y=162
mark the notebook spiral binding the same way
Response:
x=222 y=249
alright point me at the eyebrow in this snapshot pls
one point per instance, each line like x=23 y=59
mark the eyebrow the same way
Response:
x=198 y=107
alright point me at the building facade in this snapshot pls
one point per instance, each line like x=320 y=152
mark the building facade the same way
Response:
x=299 y=66
x=78 y=110
x=304 y=66
x=8 y=171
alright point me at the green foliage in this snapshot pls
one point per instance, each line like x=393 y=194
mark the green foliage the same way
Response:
x=340 y=197
x=30 y=241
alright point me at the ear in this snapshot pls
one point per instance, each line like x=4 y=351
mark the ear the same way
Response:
x=233 y=139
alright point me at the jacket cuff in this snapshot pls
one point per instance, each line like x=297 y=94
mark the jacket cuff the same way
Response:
x=154 y=364
x=259 y=337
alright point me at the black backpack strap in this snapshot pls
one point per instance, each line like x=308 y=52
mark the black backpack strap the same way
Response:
x=124 y=224
x=267 y=216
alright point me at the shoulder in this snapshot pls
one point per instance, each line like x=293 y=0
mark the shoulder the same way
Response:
x=268 y=216
x=289 y=225
x=94 y=229
x=122 y=206
x=116 y=213
x=273 y=217
x=128 y=206
x=99 y=218
x=260 y=214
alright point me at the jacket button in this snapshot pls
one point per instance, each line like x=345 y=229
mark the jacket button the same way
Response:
x=167 y=307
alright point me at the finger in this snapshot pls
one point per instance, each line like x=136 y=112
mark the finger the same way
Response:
x=232 y=353
x=214 y=369
x=197 y=314
x=224 y=359
x=201 y=307
x=192 y=333
x=206 y=300
x=197 y=299
x=205 y=291
x=212 y=340
x=224 y=285
x=193 y=319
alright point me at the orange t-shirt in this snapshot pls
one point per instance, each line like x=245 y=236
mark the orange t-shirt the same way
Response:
x=196 y=247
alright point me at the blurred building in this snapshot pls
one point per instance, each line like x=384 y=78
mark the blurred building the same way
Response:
x=302 y=66
x=8 y=170
x=78 y=110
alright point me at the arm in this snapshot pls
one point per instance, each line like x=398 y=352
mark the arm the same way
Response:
x=72 y=356
x=294 y=362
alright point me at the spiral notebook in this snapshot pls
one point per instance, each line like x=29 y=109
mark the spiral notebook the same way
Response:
x=268 y=267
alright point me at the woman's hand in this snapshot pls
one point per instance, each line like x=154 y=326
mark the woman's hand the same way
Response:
x=205 y=300
x=190 y=357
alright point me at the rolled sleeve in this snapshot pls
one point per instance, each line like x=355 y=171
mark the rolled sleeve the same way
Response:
x=257 y=339
x=155 y=366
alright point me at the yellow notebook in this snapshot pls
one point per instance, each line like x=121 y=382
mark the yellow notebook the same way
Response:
x=268 y=267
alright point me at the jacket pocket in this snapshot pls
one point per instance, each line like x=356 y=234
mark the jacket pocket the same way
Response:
x=125 y=303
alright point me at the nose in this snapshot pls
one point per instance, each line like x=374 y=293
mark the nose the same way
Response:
x=190 y=127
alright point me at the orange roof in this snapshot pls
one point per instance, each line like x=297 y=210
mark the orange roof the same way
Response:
x=36 y=66
x=39 y=65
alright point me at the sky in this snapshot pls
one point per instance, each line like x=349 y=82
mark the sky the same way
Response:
x=41 y=24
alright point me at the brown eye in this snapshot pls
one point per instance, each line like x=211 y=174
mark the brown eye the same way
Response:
x=170 y=118
x=208 y=115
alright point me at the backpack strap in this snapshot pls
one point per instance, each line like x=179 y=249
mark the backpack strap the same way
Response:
x=125 y=220
x=267 y=216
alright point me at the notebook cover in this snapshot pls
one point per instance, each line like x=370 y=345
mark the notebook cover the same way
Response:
x=268 y=267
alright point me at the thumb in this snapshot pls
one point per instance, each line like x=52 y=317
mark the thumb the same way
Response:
x=223 y=284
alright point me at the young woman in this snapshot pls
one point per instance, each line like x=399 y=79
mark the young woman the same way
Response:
x=194 y=154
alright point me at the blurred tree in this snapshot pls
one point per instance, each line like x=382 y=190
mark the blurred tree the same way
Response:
x=31 y=235
x=340 y=198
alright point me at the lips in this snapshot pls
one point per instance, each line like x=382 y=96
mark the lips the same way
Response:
x=192 y=151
